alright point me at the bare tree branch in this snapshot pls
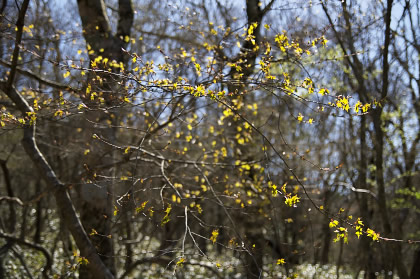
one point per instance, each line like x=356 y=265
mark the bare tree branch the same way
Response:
x=41 y=80
x=63 y=200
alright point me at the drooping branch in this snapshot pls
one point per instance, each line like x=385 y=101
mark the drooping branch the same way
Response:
x=48 y=258
x=63 y=200
x=36 y=77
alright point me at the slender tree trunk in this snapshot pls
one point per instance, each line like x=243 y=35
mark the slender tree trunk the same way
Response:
x=379 y=149
x=365 y=257
x=326 y=232
x=39 y=218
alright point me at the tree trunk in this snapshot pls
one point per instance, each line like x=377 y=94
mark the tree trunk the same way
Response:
x=366 y=259
x=415 y=270
x=96 y=202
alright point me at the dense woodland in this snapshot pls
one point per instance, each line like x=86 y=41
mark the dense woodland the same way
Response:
x=209 y=139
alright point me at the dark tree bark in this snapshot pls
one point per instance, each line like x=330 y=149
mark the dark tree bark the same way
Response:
x=415 y=270
x=326 y=232
x=96 y=203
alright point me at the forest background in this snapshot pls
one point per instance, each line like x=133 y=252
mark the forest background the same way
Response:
x=209 y=139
